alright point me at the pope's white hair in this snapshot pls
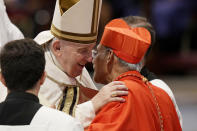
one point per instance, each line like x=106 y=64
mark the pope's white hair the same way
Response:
x=52 y=41
x=49 y=44
x=66 y=43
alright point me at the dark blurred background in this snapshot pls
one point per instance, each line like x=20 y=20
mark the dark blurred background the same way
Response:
x=174 y=56
x=175 y=22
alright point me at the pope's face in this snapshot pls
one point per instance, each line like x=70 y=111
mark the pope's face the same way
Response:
x=100 y=64
x=74 y=56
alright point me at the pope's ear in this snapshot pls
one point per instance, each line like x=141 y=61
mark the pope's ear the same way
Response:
x=56 y=46
x=2 y=79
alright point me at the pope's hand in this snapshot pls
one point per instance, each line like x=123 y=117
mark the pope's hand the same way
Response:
x=108 y=93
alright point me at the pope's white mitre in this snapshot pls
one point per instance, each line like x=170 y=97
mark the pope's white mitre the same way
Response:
x=73 y=20
x=76 y=20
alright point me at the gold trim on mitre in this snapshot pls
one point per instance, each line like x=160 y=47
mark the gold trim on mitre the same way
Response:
x=95 y=16
x=79 y=38
x=66 y=4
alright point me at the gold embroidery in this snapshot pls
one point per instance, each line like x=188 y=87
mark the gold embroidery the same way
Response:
x=95 y=16
x=76 y=103
x=66 y=4
x=69 y=100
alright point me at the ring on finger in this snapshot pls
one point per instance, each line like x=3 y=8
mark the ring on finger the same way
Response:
x=113 y=95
